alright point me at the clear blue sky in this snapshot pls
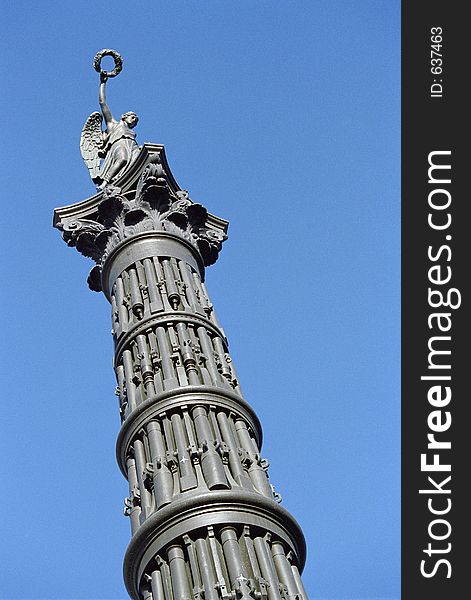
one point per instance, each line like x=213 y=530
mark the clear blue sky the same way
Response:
x=282 y=117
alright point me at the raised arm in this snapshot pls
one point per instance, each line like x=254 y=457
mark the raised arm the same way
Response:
x=102 y=100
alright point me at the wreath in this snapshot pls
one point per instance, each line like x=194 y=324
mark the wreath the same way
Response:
x=118 y=62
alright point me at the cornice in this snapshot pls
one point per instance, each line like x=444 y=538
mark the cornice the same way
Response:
x=146 y=198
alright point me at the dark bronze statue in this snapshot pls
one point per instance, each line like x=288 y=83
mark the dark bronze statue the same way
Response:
x=108 y=153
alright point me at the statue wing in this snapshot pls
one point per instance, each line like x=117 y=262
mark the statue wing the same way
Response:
x=91 y=142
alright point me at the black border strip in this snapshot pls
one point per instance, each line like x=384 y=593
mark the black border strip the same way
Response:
x=434 y=124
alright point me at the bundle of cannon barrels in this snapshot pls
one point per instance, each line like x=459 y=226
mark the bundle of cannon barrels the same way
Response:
x=206 y=523
x=205 y=520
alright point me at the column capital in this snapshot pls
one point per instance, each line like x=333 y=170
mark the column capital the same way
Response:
x=146 y=198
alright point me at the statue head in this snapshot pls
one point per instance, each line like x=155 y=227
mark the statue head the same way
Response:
x=130 y=118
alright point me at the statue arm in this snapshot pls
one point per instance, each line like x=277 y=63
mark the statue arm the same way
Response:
x=103 y=105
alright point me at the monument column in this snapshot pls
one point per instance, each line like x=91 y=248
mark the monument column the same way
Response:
x=205 y=521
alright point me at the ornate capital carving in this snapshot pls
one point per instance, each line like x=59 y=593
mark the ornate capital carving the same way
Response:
x=147 y=198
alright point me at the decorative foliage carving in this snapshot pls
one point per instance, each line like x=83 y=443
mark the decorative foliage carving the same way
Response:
x=150 y=206
x=82 y=233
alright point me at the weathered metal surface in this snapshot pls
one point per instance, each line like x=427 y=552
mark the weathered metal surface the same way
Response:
x=206 y=522
x=108 y=153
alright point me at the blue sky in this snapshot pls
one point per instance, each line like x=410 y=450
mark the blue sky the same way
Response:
x=282 y=117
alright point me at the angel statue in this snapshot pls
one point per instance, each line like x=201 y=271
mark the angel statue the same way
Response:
x=117 y=144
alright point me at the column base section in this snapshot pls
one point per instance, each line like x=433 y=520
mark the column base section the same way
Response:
x=228 y=544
